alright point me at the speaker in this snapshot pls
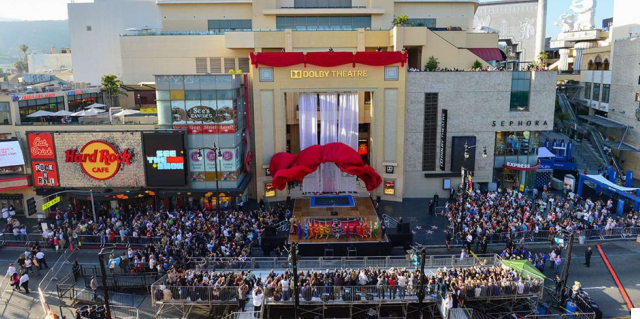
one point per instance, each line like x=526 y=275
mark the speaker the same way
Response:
x=406 y=228
x=269 y=231
x=334 y=213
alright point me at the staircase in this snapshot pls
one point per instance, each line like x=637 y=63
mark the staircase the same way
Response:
x=586 y=158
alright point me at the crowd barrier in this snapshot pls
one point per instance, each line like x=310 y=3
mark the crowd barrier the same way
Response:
x=81 y=240
x=321 y=263
x=546 y=235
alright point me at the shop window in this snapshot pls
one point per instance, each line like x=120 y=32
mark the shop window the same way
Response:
x=389 y=187
x=520 y=90
x=220 y=26
x=606 y=89
x=596 y=91
x=516 y=143
x=323 y=22
x=430 y=132
x=269 y=191
x=598 y=63
x=587 y=90
x=5 y=113
x=177 y=95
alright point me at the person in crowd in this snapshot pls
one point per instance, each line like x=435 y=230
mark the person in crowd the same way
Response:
x=587 y=257
x=24 y=282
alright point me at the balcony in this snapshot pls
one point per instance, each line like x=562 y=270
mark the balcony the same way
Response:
x=292 y=11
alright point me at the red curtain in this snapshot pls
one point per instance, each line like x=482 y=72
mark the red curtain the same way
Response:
x=327 y=59
x=286 y=167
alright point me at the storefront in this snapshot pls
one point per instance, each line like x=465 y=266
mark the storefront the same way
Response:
x=80 y=99
x=32 y=103
x=14 y=182
x=72 y=101
x=516 y=159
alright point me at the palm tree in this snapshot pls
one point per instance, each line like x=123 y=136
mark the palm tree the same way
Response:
x=542 y=57
x=24 y=48
x=111 y=85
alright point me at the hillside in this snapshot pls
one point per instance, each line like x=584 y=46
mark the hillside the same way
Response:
x=40 y=36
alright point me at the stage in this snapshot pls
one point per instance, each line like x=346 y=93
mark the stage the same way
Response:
x=346 y=229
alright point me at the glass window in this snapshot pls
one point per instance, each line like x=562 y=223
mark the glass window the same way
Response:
x=176 y=82
x=192 y=95
x=587 y=90
x=220 y=26
x=226 y=94
x=5 y=113
x=606 y=89
x=177 y=95
x=596 y=91
x=520 y=89
x=208 y=95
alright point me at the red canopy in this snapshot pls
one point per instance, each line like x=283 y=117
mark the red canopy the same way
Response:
x=488 y=54
x=286 y=167
x=327 y=59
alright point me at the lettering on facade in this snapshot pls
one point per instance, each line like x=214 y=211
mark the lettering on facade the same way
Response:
x=519 y=123
x=298 y=74
x=99 y=160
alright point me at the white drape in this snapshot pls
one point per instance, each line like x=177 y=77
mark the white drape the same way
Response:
x=308 y=110
x=347 y=134
x=328 y=134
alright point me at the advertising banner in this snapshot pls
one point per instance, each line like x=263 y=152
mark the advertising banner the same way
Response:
x=165 y=159
x=206 y=116
x=41 y=145
x=43 y=165
x=11 y=154
x=100 y=159
x=45 y=173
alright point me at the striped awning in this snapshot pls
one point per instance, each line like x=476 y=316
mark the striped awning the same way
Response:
x=10 y=182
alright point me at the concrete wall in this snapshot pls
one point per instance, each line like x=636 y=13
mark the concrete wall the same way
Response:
x=474 y=100
x=509 y=19
x=97 y=52
x=624 y=86
x=49 y=62
x=447 y=14
x=181 y=17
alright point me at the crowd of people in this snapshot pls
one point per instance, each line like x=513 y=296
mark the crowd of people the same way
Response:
x=345 y=284
x=30 y=262
x=512 y=217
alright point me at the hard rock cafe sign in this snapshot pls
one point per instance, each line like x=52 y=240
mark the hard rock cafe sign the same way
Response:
x=99 y=160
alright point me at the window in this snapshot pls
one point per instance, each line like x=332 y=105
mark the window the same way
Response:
x=520 y=90
x=323 y=22
x=88 y=28
x=429 y=23
x=216 y=65
x=201 y=65
x=596 y=91
x=430 y=132
x=606 y=89
x=220 y=26
x=587 y=90
x=5 y=113
x=319 y=4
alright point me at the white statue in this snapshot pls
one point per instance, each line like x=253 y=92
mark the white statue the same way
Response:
x=567 y=22
x=480 y=24
x=586 y=10
x=527 y=29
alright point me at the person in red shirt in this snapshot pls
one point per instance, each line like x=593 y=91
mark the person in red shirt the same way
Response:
x=393 y=286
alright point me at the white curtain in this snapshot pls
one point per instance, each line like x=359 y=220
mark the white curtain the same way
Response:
x=347 y=134
x=308 y=110
x=328 y=134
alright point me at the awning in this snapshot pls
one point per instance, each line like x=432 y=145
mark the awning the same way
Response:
x=602 y=180
x=9 y=182
x=603 y=121
x=544 y=153
x=489 y=54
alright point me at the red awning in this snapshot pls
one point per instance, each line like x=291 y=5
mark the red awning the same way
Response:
x=521 y=167
x=327 y=59
x=10 y=182
x=489 y=54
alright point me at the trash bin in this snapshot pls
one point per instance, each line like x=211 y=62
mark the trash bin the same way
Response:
x=572 y=308
x=582 y=240
x=543 y=309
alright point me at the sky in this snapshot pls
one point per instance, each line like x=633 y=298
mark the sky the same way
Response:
x=57 y=10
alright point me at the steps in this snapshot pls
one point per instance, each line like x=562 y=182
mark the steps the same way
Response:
x=586 y=158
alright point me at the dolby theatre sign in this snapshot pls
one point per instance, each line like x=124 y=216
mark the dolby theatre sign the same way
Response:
x=298 y=74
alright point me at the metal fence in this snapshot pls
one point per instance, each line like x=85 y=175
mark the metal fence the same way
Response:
x=81 y=240
x=122 y=312
x=435 y=261
x=546 y=235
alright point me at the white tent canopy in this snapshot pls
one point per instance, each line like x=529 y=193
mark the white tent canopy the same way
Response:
x=126 y=112
x=91 y=112
x=41 y=113
x=601 y=179
x=62 y=113
x=94 y=105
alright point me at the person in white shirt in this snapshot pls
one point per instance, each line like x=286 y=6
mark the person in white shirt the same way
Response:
x=41 y=260
x=24 y=282
x=258 y=296
x=11 y=270
x=520 y=287
x=402 y=285
x=463 y=254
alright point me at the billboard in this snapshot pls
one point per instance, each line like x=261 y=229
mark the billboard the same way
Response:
x=10 y=154
x=202 y=164
x=165 y=159
x=43 y=159
x=458 y=159
x=99 y=159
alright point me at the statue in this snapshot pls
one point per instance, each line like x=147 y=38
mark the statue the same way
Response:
x=586 y=10
x=567 y=22
x=480 y=24
x=527 y=29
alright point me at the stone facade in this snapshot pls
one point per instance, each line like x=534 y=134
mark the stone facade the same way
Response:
x=478 y=105
x=71 y=174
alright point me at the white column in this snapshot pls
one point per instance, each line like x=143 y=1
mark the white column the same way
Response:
x=577 y=59
x=541 y=27
x=564 y=60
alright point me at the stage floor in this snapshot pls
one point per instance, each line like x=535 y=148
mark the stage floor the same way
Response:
x=363 y=208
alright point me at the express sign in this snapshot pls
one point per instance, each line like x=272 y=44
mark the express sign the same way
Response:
x=99 y=160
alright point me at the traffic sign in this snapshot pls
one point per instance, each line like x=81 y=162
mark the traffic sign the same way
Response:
x=51 y=203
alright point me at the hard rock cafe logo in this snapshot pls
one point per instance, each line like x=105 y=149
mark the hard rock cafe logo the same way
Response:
x=99 y=160
x=41 y=148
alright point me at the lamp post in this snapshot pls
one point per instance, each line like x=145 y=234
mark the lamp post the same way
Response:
x=103 y=271
x=421 y=292
x=466 y=156
x=217 y=153
x=294 y=265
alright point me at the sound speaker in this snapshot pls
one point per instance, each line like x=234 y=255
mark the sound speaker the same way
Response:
x=334 y=213
x=406 y=228
x=269 y=231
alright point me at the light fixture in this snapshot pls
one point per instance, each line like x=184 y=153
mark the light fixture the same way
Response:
x=466 y=150
x=484 y=152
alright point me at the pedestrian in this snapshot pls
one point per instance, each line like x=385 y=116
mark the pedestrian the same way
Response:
x=258 y=296
x=41 y=261
x=447 y=239
x=15 y=281
x=75 y=267
x=242 y=296
x=463 y=255
x=24 y=282
x=436 y=199
x=432 y=207
x=94 y=287
x=12 y=270
x=587 y=257
x=484 y=244
x=557 y=264
x=558 y=285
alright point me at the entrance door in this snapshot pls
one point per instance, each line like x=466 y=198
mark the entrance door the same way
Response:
x=415 y=58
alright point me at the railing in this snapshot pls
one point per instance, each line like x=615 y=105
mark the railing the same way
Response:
x=283 y=226
x=331 y=294
x=84 y=240
x=389 y=221
x=122 y=312
x=327 y=7
x=434 y=261
x=597 y=142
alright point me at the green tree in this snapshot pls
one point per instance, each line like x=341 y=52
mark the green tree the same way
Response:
x=432 y=64
x=111 y=86
x=543 y=57
x=401 y=20
x=24 y=48
x=477 y=65
x=21 y=65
